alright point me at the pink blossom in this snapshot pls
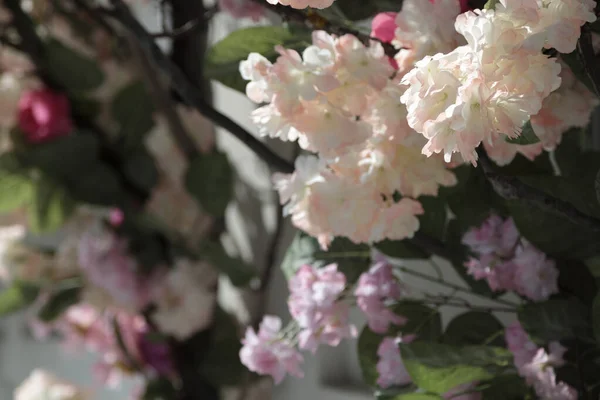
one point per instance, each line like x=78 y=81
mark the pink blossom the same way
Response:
x=536 y=276
x=390 y=366
x=519 y=344
x=453 y=393
x=500 y=275
x=375 y=287
x=539 y=373
x=320 y=4
x=44 y=115
x=242 y=9
x=315 y=304
x=267 y=353
x=116 y=217
x=383 y=26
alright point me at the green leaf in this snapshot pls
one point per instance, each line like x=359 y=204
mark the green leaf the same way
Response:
x=58 y=303
x=133 y=110
x=555 y=319
x=573 y=60
x=72 y=70
x=474 y=328
x=140 y=169
x=223 y=59
x=99 y=185
x=85 y=107
x=221 y=364
x=435 y=218
x=239 y=272
x=596 y=317
x=417 y=396
x=65 y=158
x=209 y=179
x=352 y=259
x=50 y=207
x=505 y=387
x=16 y=190
x=597 y=186
x=301 y=251
x=491 y=4
x=17 y=296
x=401 y=249
x=159 y=389
x=526 y=137
x=438 y=368
x=423 y=321
x=356 y=10
x=576 y=280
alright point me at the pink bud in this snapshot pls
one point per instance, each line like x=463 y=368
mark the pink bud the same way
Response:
x=383 y=26
x=44 y=115
x=116 y=217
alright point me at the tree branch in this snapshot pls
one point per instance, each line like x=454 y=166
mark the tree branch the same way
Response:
x=511 y=188
x=189 y=92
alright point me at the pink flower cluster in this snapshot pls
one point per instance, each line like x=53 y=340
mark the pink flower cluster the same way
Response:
x=374 y=288
x=338 y=101
x=508 y=262
x=392 y=371
x=242 y=9
x=315 y=305
x=536 y=364
x=487 y=89
x=303 y=3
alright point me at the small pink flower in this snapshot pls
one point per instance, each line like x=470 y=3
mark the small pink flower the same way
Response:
x=390 y=366
x=374 y=288
x=519 y=344
x=493 y=236
x=44 y=115
x=266 y=353
x=536 y=276
x=116 y=217
x=383 y=26
x=242 y=9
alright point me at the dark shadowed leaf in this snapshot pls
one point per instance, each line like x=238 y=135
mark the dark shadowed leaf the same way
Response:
x=209 y=179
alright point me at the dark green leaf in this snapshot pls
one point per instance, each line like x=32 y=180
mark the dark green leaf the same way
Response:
x=576 y=65
x=423 y=321
x=417 y=396
x=597 y=186
x=50 y=207
x=159 y=389
x=58 y=303
x=65 y=158
x=17 y=296
x=526 y=137
x=438 y=367
x=352 y=259
x=141 y=170
x=99 y=185
x=356 y=10
x=555 y=319
x=223 y=59
x=238 y=271
x=72 y=70
x=434 y=221
x=16 y=190
x=596 y=318
x=301 y=251
x=505 y=387
x=491 y=4
x=474 y=328
x=221 y=364
x=85 y=107
x=401 y=249
x=209 y=179
x=133 y=110
x=576 y=280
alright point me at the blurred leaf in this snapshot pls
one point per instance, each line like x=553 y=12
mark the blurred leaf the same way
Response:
x=505 y=387
x=401 y=249
x=238 y=271
x=221 y=365
x=64 y=158
x=209 y=179
x=356 y=10
x=577 y=67
x=85 y=107
x=416 y=396
x=133 y=110
x=352 y=259
x=435 y=219
x=17 y=296
x=555 y=319
x=72 y=70
x=50 y=207
x=301 y=251
x=16 y=189
x=526 y=137
x=140 y=169
x=58 y=303
x=159 y=389
x=596 y=317
x=100 y=185
x=438 y=367
x=576 y=280
x=474 y=328
x=491 y=4
x=223 y=59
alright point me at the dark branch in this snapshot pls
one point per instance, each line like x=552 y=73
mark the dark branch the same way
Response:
x=430 y=244
x=511 y=188
x=189 y=92
x=586 y=53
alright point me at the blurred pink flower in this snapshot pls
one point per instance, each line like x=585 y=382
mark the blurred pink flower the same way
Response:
x=44 y=115
x=383 y=26
x=242 y=9
x=390 y=366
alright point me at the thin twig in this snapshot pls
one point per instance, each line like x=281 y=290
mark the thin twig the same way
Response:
x=182 y=30
x=468 y=306
x=585 y=49
x=189 y=92
x=511 y=188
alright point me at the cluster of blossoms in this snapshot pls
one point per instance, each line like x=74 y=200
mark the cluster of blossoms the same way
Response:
x=536 y=364
x=486 y=90
x=319 y=305
x=43 y=385
x=509 y=262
